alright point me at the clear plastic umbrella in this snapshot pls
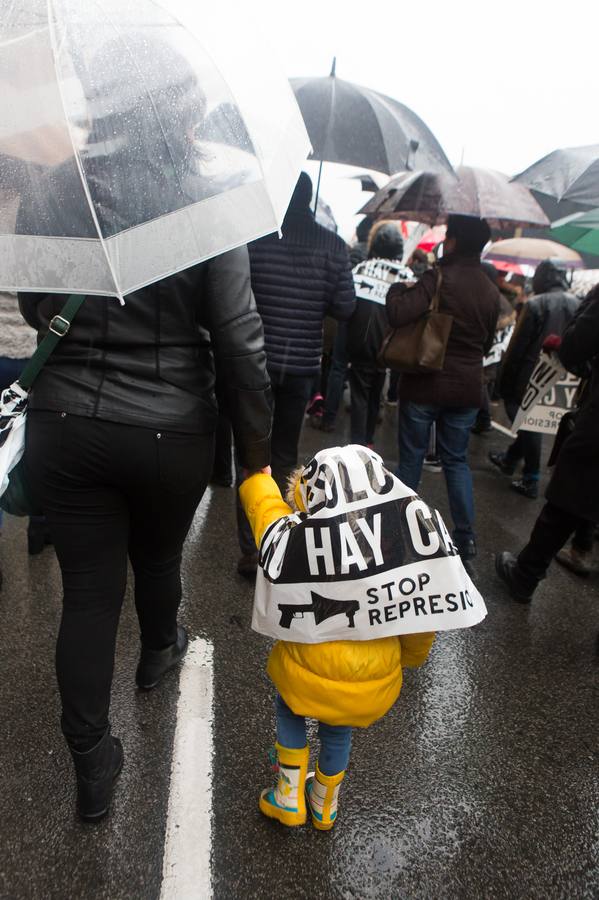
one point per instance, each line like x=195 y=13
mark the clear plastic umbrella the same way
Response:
x=136 y=139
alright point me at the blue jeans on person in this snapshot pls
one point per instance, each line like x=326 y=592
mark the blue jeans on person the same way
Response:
x=335 y=740
x=453 y=433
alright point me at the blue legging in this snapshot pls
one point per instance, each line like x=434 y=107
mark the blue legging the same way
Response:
x=335 y=740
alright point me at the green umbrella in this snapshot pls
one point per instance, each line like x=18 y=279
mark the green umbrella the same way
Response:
x=579 y=231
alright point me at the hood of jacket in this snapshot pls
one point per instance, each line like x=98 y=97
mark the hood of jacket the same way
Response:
x=549 y=277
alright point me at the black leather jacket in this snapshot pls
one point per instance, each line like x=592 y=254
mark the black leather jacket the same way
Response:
x=153 y=362
x=574 y=486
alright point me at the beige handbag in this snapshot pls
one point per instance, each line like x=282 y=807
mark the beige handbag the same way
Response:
x=419 y=346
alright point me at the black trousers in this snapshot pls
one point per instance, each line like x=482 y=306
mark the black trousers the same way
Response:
x=527 y=446
x=549 y=534
x=366 y=385
x=484 y=417
x=290 y=398
x=223 y=450
x=110 y=492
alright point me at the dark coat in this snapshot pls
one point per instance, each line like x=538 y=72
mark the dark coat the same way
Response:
x=548 y=313
x=470 y=297
x=369 y=324
x=298 y=280
x=152 y=362
x=574 y=485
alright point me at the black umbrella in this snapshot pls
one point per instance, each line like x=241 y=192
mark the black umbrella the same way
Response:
x=357 y=126
x=431 y=198
x=367 y=182
x=569 y=174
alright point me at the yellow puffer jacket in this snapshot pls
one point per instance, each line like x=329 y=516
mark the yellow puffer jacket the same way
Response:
x=337 y=682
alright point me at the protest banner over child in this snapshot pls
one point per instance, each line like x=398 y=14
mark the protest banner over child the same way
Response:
x=368 y=559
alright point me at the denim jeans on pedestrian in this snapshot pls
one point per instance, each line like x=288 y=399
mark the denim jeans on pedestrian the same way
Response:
x=335 y=740
x=453 y=433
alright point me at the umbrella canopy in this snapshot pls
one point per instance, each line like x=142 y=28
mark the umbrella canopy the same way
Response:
x=532 y=251
x=579 y=231
x=368 y=182
x=431 y=198
x=357 y=126
x=136 y=139
x=432 y=238
x=568 y=174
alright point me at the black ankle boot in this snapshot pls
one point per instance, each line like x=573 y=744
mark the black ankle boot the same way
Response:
x=528 y=489
x=503 y=464
x=97 y=770
x=153 y=664
x=506 y=566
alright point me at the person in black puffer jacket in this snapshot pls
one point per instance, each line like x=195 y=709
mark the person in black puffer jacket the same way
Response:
x=549 y=312
x=297 y=279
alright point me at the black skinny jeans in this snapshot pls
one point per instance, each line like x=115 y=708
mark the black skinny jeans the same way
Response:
x=366 y=386
x=527 y=446
x=549 y=534
x=290 y=398
x=109 y=492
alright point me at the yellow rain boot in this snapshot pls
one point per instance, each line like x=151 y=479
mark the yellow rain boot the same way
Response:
x=322 y=792
x=286 y=802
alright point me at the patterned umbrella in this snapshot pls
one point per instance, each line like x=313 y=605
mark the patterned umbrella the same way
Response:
x=579 y=231
x=532 y=251
x=431 y=198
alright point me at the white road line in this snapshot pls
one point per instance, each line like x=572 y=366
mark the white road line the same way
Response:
x=503 y=429
x=186 y=873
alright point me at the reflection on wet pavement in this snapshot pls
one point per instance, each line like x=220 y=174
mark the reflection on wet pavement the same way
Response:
x=483 y=781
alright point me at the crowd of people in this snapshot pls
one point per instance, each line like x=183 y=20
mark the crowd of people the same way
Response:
x=121 y=436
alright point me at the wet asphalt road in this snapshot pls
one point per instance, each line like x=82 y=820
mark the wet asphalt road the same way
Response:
x=482 y=782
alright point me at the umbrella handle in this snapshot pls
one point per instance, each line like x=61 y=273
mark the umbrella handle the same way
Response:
x=317 y=188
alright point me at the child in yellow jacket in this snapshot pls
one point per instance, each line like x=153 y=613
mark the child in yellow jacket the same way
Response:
x=341 y=683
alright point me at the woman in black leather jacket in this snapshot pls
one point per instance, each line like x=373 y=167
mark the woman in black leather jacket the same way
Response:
x=120 y=446
x=121 y=426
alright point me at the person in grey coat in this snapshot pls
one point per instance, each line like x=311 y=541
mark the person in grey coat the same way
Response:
x=549 y=312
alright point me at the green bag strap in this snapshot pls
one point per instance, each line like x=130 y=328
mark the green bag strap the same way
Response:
x=59 y=326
